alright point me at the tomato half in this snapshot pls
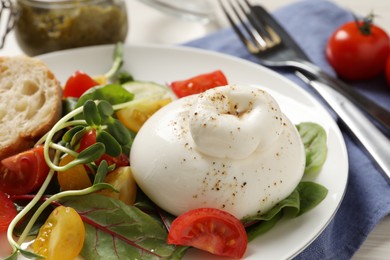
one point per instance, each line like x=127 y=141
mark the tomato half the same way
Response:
x=358 y=50
x=199 y=83
x=209 y=229
x=62 y=235
x=7 y=211
x=24 y=172
x=77 y=84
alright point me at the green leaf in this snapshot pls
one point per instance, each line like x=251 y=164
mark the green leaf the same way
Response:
x=315 y=141
x=30 y=255
x=262 y=226
x=311 y=194
x=91 y=113
x=124 y=77
x=108 y=222
x=90 y=154
x=112 y=93
x=67 y=137
x=113 y=148
x=78 y=136
x=292 y=202
x=119 y=132
x=105 y=109
x=101 y=172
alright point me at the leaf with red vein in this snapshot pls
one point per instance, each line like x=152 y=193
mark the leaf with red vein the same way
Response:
x=115 y=230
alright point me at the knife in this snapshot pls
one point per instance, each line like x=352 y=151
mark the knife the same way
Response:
x=374 y=110
x=372 y=140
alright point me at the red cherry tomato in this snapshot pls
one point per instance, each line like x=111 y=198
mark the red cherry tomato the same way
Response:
x=209 y=229
x=77 y=84
x=24 y=172
x=388 y=71
x=358 y=50
x=89 y=139
x=199 y=83
x=7 y=211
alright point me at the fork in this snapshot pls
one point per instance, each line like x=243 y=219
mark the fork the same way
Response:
x=267 y=40
x=7 y=9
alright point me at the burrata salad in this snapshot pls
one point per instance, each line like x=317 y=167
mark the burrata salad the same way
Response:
x=142 y=170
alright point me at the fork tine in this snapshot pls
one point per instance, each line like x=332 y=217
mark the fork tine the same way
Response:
x=261 y=35
x=256 y=43
x=258 y=23
x=265 y=30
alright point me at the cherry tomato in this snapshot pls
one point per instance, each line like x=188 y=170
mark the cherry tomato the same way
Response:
x=388 y=71
x=199 y=83
x=210 y=229
x=75 y=178
x=61 y=236
x=358 y=50
x=77 y=84
x=24 y=172
x=133 y=117
x=89 y=139
x=123 y=181
x=7 y=211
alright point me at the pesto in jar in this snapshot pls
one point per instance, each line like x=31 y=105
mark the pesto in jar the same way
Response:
x=44 y=26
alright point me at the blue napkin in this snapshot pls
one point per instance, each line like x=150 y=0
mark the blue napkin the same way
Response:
x=367 y=199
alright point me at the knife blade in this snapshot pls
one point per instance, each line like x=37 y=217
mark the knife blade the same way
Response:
x=372 y=140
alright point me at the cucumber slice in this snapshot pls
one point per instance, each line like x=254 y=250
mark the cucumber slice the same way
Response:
x=146 y=89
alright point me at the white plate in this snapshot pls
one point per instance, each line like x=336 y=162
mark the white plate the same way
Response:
x=164 y=64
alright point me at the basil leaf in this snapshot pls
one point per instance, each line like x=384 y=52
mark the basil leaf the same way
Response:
x=311 y=194
x=314 y=139
x=262 y=227
x=112 y=93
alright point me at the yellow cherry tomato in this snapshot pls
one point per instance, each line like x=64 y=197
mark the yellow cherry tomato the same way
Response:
x=62 y=235
x=76 y=178
x=134 y=116
x=123 y=181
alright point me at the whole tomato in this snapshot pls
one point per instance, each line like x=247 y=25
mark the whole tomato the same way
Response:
x=388 y=71
x=358 y=50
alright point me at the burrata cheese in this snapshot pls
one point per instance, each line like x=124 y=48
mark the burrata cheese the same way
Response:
x=230 y=148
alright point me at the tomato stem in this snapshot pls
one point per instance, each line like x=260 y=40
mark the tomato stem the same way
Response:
x=365 y=24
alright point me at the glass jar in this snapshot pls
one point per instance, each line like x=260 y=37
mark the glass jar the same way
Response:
x=48 y=25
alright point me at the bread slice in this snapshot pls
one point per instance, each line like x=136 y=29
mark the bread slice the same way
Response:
x=30 y=103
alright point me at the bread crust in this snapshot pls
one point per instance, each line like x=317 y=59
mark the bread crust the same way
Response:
x=30 y=103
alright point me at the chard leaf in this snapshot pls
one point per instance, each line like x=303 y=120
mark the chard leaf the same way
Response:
x=314 y=139
x=115 y=230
